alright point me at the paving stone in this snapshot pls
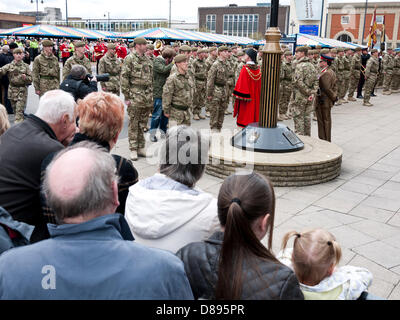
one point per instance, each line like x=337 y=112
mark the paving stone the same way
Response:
x=310 y=209
x=358 y=187
x=289 y=206
x=395 y=220
x=371 y=213
x=395 y=295
x=350 y=238
x=381 y=253
x=375 y=229
x=377 y=174
x=335 y=204
x=301 y=196
x=382 y=203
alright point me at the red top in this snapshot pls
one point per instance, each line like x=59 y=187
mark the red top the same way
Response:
x=121 y=52
x=247 y=94
x=64 y=50
x=99 y=51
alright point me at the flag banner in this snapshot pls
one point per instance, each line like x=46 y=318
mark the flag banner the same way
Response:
x=372 y=31
x=308 y=9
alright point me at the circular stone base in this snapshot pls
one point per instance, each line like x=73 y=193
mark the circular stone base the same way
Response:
x=319 y=161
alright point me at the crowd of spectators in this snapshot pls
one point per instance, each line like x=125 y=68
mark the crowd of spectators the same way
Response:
x=75 y=222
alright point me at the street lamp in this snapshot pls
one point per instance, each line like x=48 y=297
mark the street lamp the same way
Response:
x=292 y=24
x=66 y=11
x=37 y=8
x=109 y=25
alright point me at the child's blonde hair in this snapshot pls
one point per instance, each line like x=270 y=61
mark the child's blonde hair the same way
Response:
x=4 y=123
x=314 y=253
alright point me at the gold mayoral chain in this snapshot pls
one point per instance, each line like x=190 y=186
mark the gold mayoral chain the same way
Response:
x=255 y=78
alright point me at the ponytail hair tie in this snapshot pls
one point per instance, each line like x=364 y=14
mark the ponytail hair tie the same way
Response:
x=236 y=200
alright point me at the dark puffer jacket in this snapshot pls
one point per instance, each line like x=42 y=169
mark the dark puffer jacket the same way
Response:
x=201 y=265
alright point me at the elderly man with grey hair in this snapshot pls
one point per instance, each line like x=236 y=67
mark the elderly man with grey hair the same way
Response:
x=23 y=148
x=78 y=83
x=91 y=254
x=167 y=210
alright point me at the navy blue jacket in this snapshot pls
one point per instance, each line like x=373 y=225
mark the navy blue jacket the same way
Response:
x=97 y=259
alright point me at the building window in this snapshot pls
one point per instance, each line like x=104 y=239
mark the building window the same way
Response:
x=345 y=20
x=241 y=25
x=210 y=23
x=268 y=20
x=344 y=38
x=380 y=19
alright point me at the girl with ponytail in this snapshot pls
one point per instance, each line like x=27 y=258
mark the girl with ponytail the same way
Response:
x=314 y=258
x=233 y=263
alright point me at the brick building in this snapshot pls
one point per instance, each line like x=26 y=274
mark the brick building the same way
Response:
x=346 y=21
x=10 y=20
x=241 y=21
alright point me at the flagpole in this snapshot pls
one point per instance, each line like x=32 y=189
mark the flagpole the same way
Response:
x=365 y=19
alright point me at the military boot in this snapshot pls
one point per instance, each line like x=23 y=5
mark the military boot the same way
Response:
x=344 y=101
x=367 y=104
x=201 y=116
x=351 y=99
x=208 y=114
x=196 y=117
x=134 y=155
x=141 y=152
x=387 y=92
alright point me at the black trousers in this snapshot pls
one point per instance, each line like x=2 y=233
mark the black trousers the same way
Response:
x=360 y=84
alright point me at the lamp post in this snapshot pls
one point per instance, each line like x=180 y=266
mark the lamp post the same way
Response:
x=292 y=24
x=66 y=11
x=365 y=18
x=37 y=8
x=108 y=21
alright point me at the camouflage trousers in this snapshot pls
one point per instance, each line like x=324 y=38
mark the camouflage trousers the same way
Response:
x=137 y=114
x=48 y=84
x=396 y=81
x=179 y=117
x=344 y=86
x=284 y=99
x=354 y=78
x=18 y=97
x=387 y=79
x=230 y=97
x=369 y=86
x=302 y=109
x=380 y=80
x=217 y=107
x=199 y=97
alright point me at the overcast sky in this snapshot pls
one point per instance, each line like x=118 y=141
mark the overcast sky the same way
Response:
x=135 y=9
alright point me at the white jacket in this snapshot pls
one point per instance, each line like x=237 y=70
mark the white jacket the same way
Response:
x=166 y=214
x=345 y=283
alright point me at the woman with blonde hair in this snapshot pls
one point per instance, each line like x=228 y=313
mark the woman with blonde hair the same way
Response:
x=4 y=123
x=314 y=258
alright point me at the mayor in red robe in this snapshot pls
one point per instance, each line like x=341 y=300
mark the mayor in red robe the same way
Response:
x=247 y=91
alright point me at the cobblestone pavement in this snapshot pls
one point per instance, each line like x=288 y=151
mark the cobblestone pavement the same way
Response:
x=361 y=207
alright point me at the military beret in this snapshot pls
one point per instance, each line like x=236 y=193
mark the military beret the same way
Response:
x=372 y=51
x=340 y=50
x=195 y=49
x=150 y=46
x=175 y=44
x=185 y=48
x=47 y=43
x=111 y=46
x=140 y=40
x=302 y=49
x=249 y=46
x=131 y=44
x=283 y=46
x=333 y=50
x=180 y=58
x=240 y=53
x=358 y=49
x=327 y=58
x=312 y=51
x=212 y=49
x=324 y=51
x=287 y=53
x=18 y=50
x=222 y=48
x=202 y=50
x=79 y=44
x=318 y=47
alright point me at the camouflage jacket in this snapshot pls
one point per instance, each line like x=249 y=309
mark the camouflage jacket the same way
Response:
x=14 y=71
x=334 y=65
x=46 y=67
x=161 y=71
x=305 y=80
x=73 y=61
x=286 y=73
x=347 y=64
x=137 y=73
x=230 y=65
x=209 y=62
x=340 y=64
x=217 y=76
x=355 y=64
x=372 y=66
x=199 y=70
x=176 y=92
x=111 y=65
x=396 y=66
x=238 y=69
x=388 y=63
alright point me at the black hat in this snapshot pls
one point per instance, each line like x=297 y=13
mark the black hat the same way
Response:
x=13 y=45
x=327 y=58
x=252 y=54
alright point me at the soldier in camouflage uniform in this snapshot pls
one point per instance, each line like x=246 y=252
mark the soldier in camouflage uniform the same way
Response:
x=150 y=52
x=371 y=76
x=396 y=73
x=387 y=63
x=286 y=78
x=340 y=65
x=334 y=65
x=176 y=94
x=231 y=67
x=212 y=57
x=199 y=72
x=305 y=85
x=46 y=70
x=217 y=89
x=346 y=74
x=355 y=69
x=240 y=55
x=137 y=87
x=112 y=65
x=19 y=76
x=77 y=58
